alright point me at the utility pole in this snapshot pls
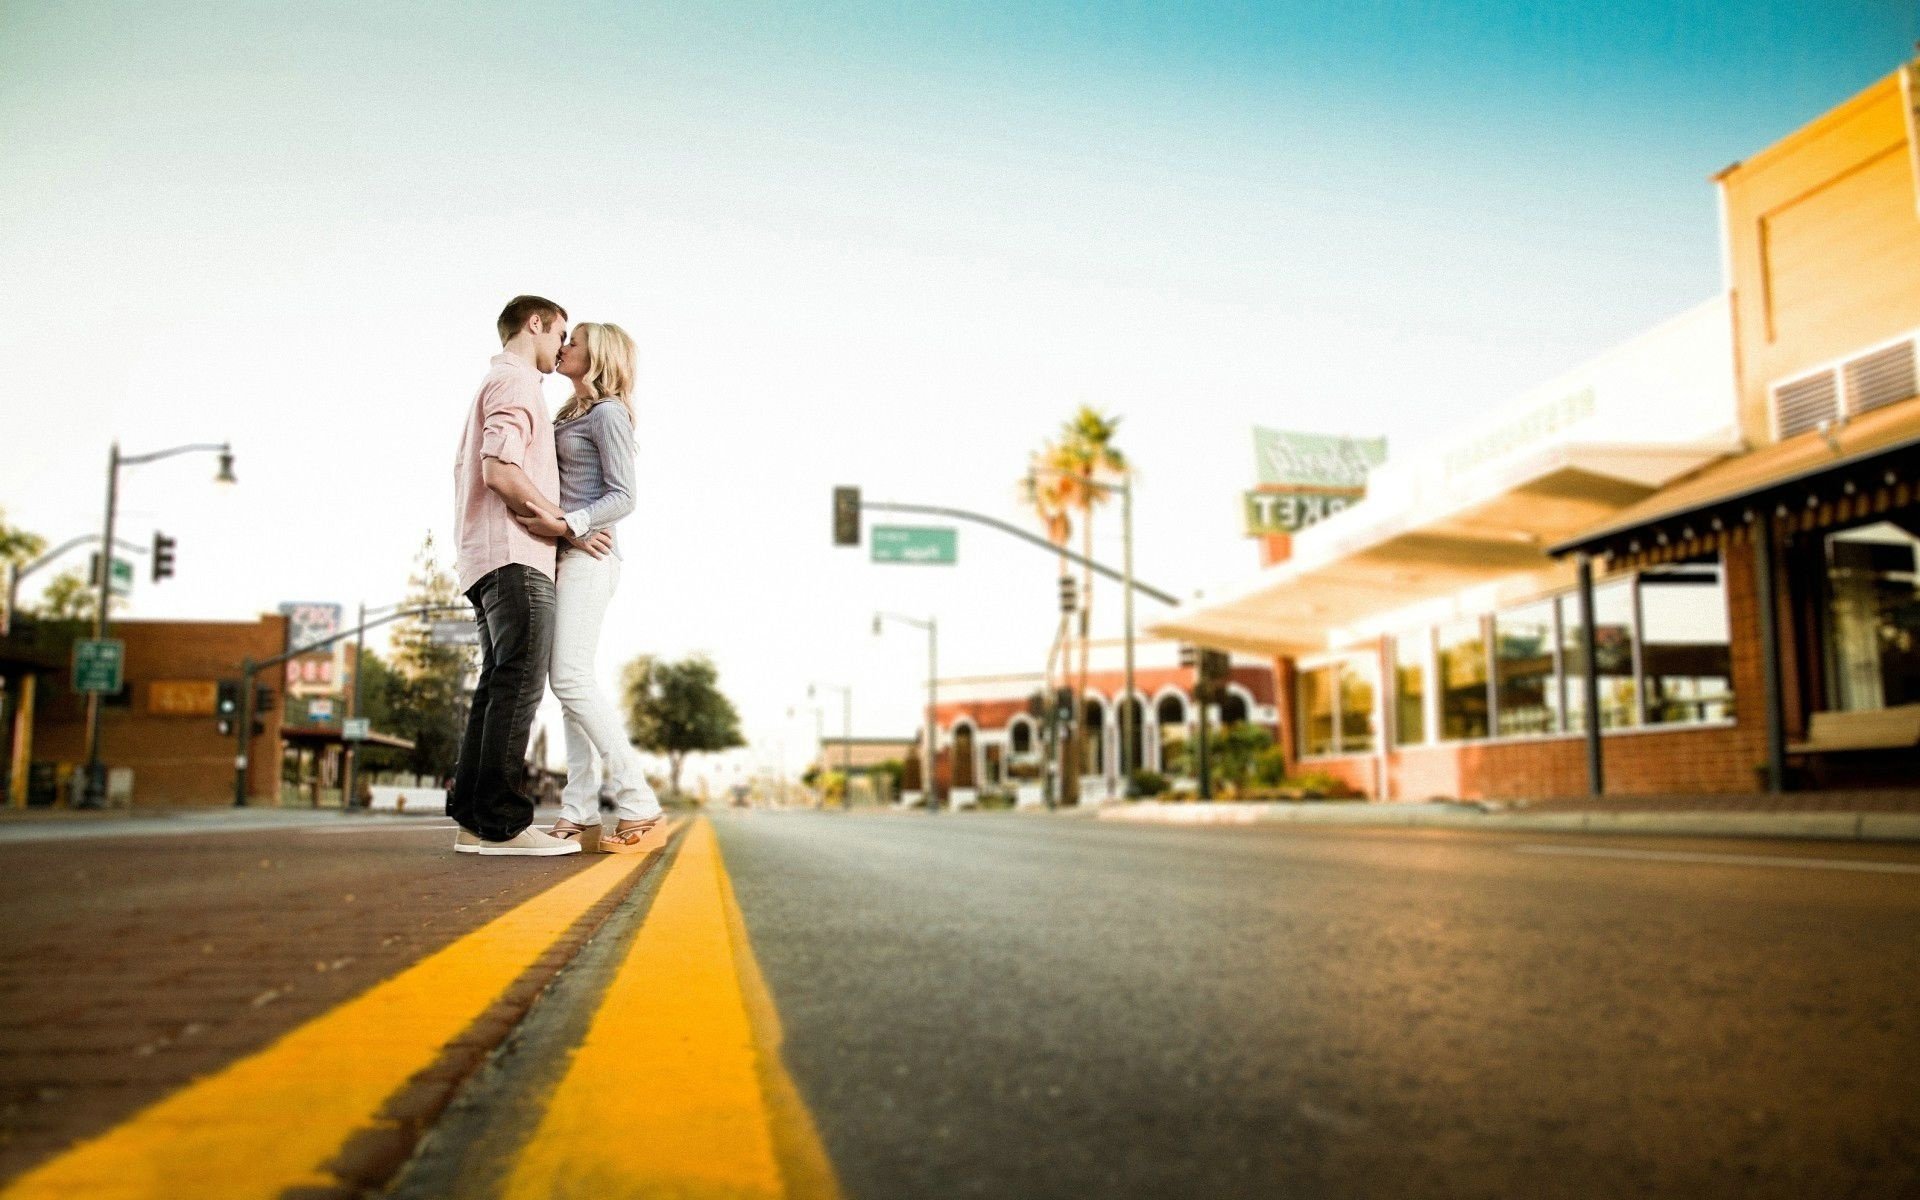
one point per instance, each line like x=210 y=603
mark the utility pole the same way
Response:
x=932 y=628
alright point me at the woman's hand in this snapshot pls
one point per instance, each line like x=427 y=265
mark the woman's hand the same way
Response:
x=598 y=543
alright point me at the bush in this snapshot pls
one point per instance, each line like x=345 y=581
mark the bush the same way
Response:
x=1270 y=767
x=1146 y=784
x=996 y=798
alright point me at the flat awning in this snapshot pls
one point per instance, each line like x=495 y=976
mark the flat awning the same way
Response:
x=1433 y=540
x=1726 y=489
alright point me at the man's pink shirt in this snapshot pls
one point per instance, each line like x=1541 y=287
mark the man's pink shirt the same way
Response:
x=508 y=422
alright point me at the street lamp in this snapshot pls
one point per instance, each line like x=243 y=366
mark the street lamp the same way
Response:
x=932 y=627
x=96 y=790
x=846 y=736
x=1126 y=543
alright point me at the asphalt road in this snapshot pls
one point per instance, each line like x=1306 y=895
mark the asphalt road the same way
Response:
x=1030 y=1007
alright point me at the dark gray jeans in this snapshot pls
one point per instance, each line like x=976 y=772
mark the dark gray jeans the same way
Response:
x=514 y=608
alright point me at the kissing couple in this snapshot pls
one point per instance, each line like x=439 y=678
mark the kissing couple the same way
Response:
x=535 y=505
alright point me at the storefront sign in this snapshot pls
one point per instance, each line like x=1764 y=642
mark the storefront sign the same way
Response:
x=1520 y=433
x=182 y=697
x=316 y=672
x=356 y=729
x=915 y=544
x=1306 y=478
x=1274 y=512
x=1314 y=460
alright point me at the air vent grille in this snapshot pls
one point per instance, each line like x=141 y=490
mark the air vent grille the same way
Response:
x=1881 y=378
x=1804 y=403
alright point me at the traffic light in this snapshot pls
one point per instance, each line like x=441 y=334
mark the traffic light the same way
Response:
x=1069 y=595
x=846 y=516
x=162 y=556
x=1189 y=655
x=263 y=696
x=1215 y=666
x=226 y=706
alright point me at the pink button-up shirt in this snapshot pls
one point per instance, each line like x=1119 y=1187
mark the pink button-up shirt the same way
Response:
x=508 y=422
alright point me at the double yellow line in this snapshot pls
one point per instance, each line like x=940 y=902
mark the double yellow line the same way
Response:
x=677 y=1089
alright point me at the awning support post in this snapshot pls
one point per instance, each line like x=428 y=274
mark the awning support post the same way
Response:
x=1590 y=679
x=1767 y=586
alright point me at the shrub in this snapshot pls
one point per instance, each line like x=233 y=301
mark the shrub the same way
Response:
x=996 y=798
x=1270 y=767
x=1146 y=784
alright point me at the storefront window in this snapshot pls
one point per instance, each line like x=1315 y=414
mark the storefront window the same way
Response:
x=1685 y=662
x=1528 y=700
x=1410 y=689
x=1359 y=681
x=1316 y=711
x=1873 y=614
x=1613 y=608
x=1463 y=680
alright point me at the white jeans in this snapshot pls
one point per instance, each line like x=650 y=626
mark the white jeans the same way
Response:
x=583 y=586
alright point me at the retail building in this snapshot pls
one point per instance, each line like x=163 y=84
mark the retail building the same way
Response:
x=1706 y=538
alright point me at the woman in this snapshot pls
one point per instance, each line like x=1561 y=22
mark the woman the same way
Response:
x=593 y=437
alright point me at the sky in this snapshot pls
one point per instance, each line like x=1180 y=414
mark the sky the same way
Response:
x=891 y=246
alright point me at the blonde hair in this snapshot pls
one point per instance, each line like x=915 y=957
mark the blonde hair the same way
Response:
x=610 y=369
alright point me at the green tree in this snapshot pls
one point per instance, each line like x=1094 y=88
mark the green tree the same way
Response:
x=17 y=546
x=68 y=598
x=677 y=709
x=426 y=695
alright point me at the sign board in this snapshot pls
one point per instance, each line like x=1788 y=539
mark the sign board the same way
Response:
x=1291 y=511
x=98 y=664
x=453 y=633
x=320 y=708
x=1305 y=478
x=122 y=582
x=1522 y=431
x=1314 y=460
x=916 y=544
x=356 y=729
x=182 y=697
x=315 y=672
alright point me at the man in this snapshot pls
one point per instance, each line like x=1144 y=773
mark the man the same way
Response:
x=507 y=468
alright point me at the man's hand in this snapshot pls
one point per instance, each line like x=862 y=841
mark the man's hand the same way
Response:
x=544 y=524
x=599 y=543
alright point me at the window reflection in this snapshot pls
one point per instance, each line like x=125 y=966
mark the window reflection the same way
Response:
x=1463 y=679
x=1873 y=614
x=1685 y=659
x=1528 y=701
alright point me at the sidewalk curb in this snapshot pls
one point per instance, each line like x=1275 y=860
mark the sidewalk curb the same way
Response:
x=1829 y=826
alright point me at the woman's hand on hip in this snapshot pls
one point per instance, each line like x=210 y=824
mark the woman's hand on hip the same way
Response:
x=598 y=543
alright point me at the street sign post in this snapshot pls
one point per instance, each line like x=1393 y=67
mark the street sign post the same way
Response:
x=121 y=583
x=355 y=729
x=98 y=664
x=916 y=544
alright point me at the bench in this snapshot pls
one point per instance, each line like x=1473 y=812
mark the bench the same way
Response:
x=1871 y=729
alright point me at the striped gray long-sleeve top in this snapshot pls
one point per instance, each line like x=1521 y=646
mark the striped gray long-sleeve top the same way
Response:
x=596 y=467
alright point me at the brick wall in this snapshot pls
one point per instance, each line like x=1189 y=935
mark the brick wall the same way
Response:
x=176 y=760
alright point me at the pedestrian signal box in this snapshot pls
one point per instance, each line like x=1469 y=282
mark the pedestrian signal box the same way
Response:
x=846 y=516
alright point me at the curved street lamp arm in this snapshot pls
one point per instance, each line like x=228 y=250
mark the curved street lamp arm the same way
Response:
x=156 y=455
x=1016 y=531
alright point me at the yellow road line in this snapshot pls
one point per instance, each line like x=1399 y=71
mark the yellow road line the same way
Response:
x=678 y=1089
x=273 y=1120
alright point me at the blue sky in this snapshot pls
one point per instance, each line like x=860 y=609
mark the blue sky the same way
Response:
x=885 y=244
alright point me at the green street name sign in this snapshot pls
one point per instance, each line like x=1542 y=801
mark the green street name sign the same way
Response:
x=121 y=583
x=97 y=664
x=915 y=544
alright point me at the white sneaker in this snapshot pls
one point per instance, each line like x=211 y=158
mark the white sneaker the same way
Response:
x=531 y=842
x=466 y=842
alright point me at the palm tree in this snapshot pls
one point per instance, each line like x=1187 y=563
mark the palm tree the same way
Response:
x=1048 y=490
x=1092 y=461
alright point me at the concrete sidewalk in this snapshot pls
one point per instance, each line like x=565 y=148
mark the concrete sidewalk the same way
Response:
x=1856 y=826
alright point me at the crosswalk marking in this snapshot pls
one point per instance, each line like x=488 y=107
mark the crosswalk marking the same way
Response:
x=270 y=1122
x=677 y=1089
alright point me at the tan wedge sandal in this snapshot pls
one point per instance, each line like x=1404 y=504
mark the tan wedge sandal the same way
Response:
x=627 y=841
x=589 y=836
